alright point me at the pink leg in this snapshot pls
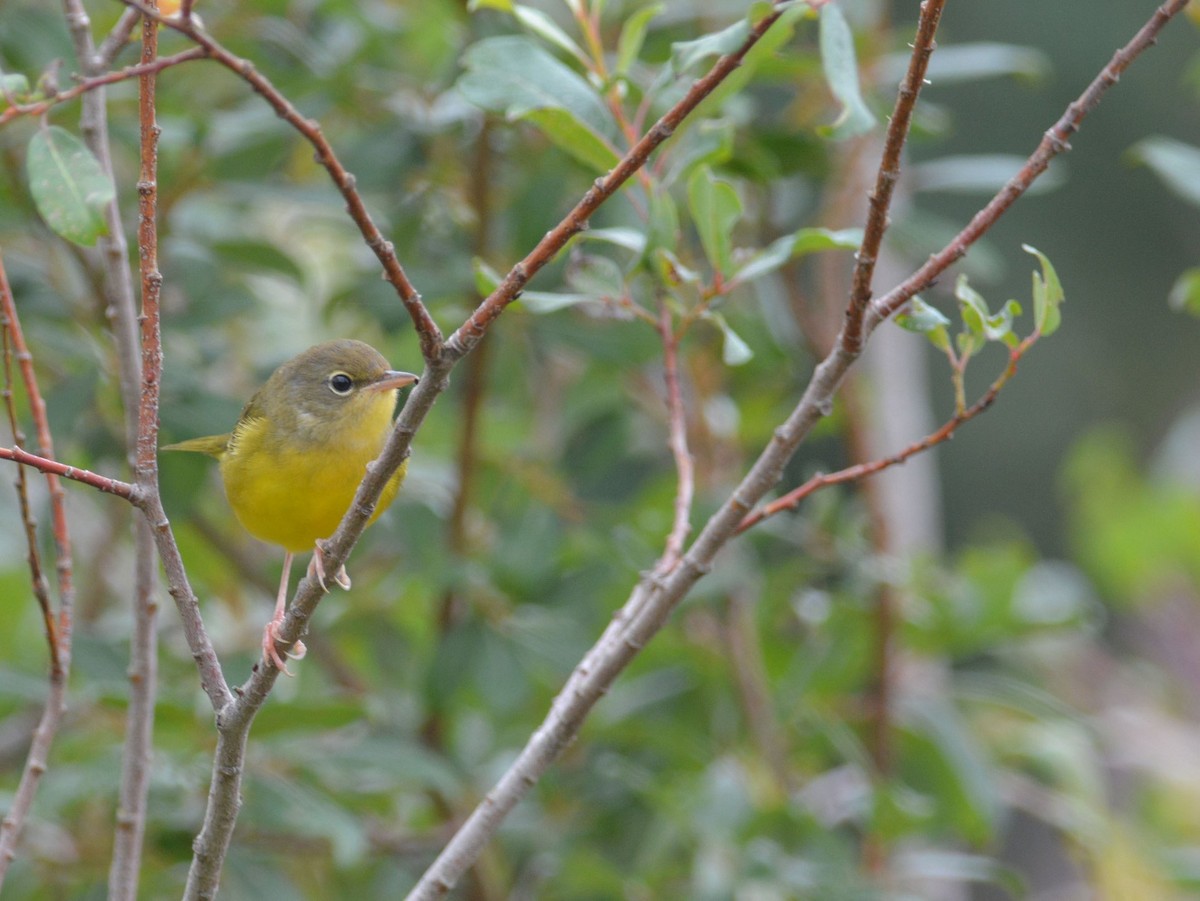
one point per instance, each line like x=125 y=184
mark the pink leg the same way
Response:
x=271 y=633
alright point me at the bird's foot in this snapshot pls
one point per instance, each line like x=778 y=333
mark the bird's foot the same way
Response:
x=271 y=652
x=317 y=567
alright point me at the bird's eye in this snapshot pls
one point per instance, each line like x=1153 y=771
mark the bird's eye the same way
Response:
x=340 y=384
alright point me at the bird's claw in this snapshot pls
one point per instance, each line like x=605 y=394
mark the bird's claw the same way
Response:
x=317 y=568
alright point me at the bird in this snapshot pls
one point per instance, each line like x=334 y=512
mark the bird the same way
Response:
x=294 y=460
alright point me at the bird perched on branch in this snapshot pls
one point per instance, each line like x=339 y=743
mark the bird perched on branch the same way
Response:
x=293 y=463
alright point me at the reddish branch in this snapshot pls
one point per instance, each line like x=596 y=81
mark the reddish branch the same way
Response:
x=143 y=661
x=793 y=498
x=84 y=85
x=54 y=469
x=889 y=171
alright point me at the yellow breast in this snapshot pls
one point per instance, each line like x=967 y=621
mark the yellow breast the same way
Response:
x=292 y=493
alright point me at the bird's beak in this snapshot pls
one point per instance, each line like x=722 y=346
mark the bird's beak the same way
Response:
x=392 y=379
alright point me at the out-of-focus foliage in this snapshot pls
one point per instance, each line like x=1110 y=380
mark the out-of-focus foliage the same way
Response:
x=1037 y=703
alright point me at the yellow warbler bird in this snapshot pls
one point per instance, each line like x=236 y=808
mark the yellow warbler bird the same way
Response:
x=293 y=462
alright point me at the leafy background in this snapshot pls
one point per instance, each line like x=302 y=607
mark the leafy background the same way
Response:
x=1044 y=728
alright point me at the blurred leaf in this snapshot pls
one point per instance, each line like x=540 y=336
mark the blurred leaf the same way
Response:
x=970 y=797
x=804 y=241
x=633 y=35
x=686 y=54
x=841 y=73
x=974 y=62
x=596 y=276
x=1185 y=293
x=548 y=30
x=978 y=174
x=14 y=84
x=955 y=868
x=715 y=208
x=628 y=238
x=68 y=185
x=1176 y=163
x=1047 y=295
x=551 y=301
x=517 y=77
x=573 y=136
x=735 y=351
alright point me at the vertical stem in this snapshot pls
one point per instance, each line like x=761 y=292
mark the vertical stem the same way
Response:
x=143 y=419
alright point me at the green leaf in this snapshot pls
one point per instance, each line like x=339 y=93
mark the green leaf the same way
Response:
x=1047 y=295
x=1176 y=163
x=982 y=173
x=1185 y=293
x=920 y=317
x=517 y=77
x=663 y=231
x=575 y=138
x=548 y=30
x=708 y=142
x=734 y=351
x=633 y=36
x=13 y=84
x=973 y=306
x=979 y=60
x=627 y=238
x=68 y=185
x=841 y=72
x=804 y=241
x=551 y=301
x=487 y=279
x=715 y=208
x=685 y=54
x=596 y=276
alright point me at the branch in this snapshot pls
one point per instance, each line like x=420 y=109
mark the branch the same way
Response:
x=427 y=331
x=684 y=466
x=889 y=170
x=652 y=599
x=1055 y=141
x=95 y=82
x=62 y=470
x=143 y=661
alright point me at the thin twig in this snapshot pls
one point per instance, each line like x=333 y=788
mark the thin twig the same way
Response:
x=793 y=498
x=41 y=588
x=647 y=609
x=59 y=626
x=684 y=467
x=143 y=661
x=55 y=468
x=889 y=171
x=117 y=39
x=744 y=652
x=93 y=83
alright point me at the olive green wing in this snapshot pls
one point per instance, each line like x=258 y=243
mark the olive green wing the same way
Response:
x=213 y=445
